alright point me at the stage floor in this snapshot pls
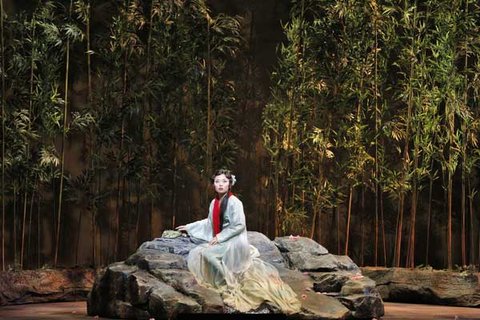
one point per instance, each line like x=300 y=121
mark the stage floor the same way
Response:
x=78 y=310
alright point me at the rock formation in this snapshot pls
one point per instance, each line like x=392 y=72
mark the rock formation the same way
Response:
x=45 y=285
x=155 y=282
x=427 y=286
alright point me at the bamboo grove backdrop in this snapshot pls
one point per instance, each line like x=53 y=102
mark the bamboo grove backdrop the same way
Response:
x=370 y=130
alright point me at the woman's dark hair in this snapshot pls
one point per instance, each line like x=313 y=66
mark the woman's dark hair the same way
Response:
x=223 y=205
x=227 y=174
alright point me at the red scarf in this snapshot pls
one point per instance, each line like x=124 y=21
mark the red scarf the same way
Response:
x=216 y=215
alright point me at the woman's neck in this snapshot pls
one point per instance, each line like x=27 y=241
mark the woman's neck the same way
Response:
x=221 y=196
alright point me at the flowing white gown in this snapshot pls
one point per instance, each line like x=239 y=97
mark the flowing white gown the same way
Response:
x=233 y=267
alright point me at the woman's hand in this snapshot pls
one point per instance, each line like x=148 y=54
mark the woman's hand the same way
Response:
x=181 y=228
x=214 y=241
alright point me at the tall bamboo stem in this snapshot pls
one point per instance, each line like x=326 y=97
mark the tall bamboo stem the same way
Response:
x=208 y=158
x=464 y=152
x=405 y=149
x=30 y=102
x=348 y=220
x=472 y=216
x=429 y=213
x=64 y=137
x=3 y=134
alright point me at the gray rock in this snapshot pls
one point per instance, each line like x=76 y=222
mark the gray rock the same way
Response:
x=180 y=245
x=364 y=306
x=267 y=249
x=164 y=261
x=108 y=288
x=356 y=292
x=330 y=281
x=364 y=286
x=325 y=263
x=45 y=285
x=303 y=244
x=155 y=282
x=139 y=286
x=126 y=311
x=426 y=286
x=167 y=303
x=307 y=255
x=314 y=306
x=184 y=282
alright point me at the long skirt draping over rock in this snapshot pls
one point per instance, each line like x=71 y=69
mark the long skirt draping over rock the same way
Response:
x=233 y=267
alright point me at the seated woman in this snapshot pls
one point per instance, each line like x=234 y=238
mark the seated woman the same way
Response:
x=227 y=263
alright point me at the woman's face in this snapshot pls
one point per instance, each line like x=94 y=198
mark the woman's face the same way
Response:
x=221 y=184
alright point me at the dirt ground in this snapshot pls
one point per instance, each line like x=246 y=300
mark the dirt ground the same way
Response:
x=78 y=310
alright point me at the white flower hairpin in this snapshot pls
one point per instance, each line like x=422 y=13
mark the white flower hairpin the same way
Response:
x=233 y=180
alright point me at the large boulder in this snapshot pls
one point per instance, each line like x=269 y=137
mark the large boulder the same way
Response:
x=332 y=276
x=427 y=286
x=307 y=255
x=155 y=282
x=45 y=285
x=267 y=249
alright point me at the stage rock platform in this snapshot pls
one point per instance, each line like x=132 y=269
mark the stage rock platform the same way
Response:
x=155 y=282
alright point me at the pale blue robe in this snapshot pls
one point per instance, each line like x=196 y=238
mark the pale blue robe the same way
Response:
x=232 y=266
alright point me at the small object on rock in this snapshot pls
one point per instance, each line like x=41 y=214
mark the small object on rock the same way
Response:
x=292 y=237
x=170 y=234
x=304 y=296
x=308 y=289
x=357 y=276
x=305 y=273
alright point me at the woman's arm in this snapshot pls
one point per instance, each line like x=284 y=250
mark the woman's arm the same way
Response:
x=201 y=229
x=237 y=222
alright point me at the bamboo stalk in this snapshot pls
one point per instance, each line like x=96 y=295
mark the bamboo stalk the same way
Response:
x=99 y=188
x=30 y=107
x=405 y=151
x=413 y=209
x=89 y=101
x=472 y=216
x=39 y=231
x=464 y=152
x=348 y=220
x=376 y=130
x=208 y=160
x=129 y=214
x=120 y=176
x=383 y=230
x=450 y=190
x=29 y=253
x=337 y=211
x=64 y=137
x=22 y=248
x=79 y=230
x=429 y=213
x=147 y=136
x=2 y=44
x=277 y=189
x=362 y=245
x=137 y=224
x=14 y=224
